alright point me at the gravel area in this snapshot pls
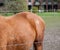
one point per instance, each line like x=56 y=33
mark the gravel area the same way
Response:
x=52 y=38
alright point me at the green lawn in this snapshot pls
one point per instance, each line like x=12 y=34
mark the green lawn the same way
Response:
x=52 y=19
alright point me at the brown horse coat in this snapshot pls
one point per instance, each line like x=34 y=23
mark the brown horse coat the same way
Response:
x=20 y=31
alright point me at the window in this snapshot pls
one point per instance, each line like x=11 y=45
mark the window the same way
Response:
x=29 y=0
x=44 y=0
x=1 y=4
x=36 y=0
x=55 y=0
x=49 y=0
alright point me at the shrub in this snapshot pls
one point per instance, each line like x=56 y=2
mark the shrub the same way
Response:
x=34 y=9
x=58 y=10
x=13 y=6
x=16 y=5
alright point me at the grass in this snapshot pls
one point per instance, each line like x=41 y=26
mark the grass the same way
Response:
x=6 y=14
x=52 y=19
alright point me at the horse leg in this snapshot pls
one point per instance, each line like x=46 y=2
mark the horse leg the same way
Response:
x=38 y=45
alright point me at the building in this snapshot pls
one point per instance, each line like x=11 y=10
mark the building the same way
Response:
x=49 y=5
x=32 y=3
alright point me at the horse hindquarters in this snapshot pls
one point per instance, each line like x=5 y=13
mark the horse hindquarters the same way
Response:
x=39 y=26
x=36 y=22
x=24 y=32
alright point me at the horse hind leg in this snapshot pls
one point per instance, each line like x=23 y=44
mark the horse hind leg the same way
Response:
x=38 y=45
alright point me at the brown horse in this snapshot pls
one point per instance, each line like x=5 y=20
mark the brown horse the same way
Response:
x=21 y=31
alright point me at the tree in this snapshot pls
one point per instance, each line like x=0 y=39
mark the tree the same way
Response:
x=16 y=5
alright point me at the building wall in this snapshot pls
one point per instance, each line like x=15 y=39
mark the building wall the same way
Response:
x=49 y=4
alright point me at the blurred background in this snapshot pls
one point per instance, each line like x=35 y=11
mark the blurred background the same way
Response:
x=49 y=10
x=29 y=5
